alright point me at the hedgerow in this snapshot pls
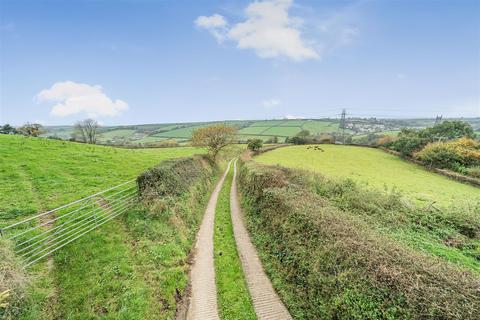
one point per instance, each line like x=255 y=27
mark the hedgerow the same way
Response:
x=455 y=154
x=328 y=262
x=164 y=224
x=171 y=177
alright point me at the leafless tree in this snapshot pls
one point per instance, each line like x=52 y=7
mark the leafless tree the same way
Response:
x=86 y=131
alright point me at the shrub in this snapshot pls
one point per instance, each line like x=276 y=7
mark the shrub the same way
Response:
x=385 y=140
x=330 y=264
x=325 y=138
x=453 y=154
x=254 y=144
x=412 y=140
x=7 y=129
x=31 y=129
x=298 y=140
x=171 y=177
x=164 y=230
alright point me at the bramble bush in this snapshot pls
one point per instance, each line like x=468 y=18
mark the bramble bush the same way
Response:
x=454 y=155
x=412 y=140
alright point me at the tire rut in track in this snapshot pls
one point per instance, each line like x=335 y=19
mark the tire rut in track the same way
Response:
x=266 y=302
x=203 y=296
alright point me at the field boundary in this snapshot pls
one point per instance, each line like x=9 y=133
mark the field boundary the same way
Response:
x=447 y=173
x=38 y=236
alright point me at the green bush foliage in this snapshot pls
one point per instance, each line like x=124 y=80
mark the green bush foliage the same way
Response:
x=171 y=177
x=412 y=140
x=454 y=154
x=164 y=226
x=254 y=144
x=328 y=262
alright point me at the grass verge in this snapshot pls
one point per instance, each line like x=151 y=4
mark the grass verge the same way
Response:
x=375 y=168
x=163 y=229
x=234 y=299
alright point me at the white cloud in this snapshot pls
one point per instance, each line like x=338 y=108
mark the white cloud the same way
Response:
x=271 y=103
x=215 y=24
x=268 y=30
x=292 y=117
x=74 y=98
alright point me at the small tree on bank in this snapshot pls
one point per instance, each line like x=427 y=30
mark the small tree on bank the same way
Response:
x=214 y=138
x=255 y=145
x=86 y=131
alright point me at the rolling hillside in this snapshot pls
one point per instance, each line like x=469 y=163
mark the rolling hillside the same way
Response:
x=38 y=174
x=97 y=275
x=248 y=129
x=374 y=168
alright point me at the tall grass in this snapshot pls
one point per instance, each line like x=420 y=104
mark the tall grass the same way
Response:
x=13 y=283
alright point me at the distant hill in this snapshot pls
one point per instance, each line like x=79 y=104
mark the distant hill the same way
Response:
x=145 y=134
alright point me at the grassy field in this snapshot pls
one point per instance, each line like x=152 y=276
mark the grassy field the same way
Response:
x=337 y=250
x=252 y=130
x=316 y=127
x=283 y=131
x=99 y=275
x=233 y=297
x=374 y=168
x=38 y=174
x=123 y=133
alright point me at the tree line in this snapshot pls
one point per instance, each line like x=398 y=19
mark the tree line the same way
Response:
x=85 y=131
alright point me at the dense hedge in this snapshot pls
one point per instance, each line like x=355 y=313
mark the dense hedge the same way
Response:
x=413 y=140
x=164 y=223
x=455 y=154
x=172 y=177
x=328 y=263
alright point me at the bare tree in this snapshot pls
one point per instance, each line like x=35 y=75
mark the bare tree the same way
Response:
x=86 y=131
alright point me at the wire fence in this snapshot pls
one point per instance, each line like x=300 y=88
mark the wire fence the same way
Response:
x=39 y=236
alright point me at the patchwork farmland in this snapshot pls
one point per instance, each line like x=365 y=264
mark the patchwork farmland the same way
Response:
x=265 y=130
x=177 y=235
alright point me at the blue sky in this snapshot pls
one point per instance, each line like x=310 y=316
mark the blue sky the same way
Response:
x=131 y=62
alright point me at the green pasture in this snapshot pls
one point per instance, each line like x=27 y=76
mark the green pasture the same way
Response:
x=117 y=134
x=38 y=174
x=252 y=130
x=374 y=168
x=283 y=131
x=316 y=127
